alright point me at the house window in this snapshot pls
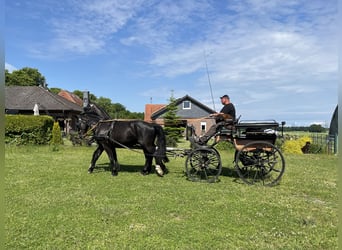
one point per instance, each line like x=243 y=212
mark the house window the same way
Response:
x=186 y=105
x=203 y=127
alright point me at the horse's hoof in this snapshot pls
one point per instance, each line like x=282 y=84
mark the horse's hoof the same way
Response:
x=90 y=171
x=144 y=172
x=159 y=171
x=115 y=173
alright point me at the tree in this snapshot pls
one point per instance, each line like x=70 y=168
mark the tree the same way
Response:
x=316 y=128
x=172 y=128
x=25 y=77
x=56 y=139
x=79 y=93
x=55 y=90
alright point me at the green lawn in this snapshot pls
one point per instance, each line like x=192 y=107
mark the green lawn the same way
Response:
x=53 y=203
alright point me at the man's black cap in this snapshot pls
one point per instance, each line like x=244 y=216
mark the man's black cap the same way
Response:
x=224 y=96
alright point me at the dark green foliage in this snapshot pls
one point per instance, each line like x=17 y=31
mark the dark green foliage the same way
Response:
x=117 y=110
x=25 y=77
x=316 y=128
x=172 y=128
x=28 y=129
x=225 y=145
x=55 y=90
x=79 y=93
x=305 y=129
x=317 y=148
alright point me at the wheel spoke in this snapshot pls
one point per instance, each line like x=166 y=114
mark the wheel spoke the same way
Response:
x=203 y=165
x=264 y=164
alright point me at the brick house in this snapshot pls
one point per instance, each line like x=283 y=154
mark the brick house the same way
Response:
x=189 y=110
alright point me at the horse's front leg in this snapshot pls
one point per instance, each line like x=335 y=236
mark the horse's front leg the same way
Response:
x=98 y=151
x=113 y=161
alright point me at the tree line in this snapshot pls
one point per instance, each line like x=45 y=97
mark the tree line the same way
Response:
x=32 y=77
x=313 y=128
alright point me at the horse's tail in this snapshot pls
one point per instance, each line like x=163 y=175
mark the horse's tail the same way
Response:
x=161 y=144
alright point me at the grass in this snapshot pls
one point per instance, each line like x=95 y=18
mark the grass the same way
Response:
x=53 y=203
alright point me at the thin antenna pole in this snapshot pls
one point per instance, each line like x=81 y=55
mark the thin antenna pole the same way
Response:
x=211 y=90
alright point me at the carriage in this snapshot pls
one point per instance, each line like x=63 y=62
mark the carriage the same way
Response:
x=257 y=160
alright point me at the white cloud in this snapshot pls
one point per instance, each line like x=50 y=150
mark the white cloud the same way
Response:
x=84 y=27
x=10 y=67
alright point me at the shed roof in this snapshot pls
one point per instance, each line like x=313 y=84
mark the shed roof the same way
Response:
x=25 y=97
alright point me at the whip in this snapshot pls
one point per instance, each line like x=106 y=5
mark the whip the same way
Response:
x=211 y=90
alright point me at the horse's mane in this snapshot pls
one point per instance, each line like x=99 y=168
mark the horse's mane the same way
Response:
x=96 y=111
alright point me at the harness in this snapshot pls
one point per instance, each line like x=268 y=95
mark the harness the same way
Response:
x=108 y=136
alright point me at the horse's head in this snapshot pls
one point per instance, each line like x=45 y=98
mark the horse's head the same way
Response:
x=95 y=110
x=82 y=125
x=86 y=123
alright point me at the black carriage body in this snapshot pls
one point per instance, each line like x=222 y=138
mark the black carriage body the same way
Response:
x=251 y=131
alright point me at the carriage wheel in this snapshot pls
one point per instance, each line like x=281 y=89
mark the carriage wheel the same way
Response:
x=203 y=164
x=261 y=163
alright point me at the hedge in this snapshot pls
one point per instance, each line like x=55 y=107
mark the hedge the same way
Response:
x=28 y=129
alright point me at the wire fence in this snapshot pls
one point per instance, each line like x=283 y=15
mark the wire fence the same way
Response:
x=327 y=143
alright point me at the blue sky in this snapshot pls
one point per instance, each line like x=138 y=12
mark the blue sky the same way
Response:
x=276 y=59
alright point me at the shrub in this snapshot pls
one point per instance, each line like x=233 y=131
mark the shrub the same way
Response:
x=225 y=145
x=28 y=129
x=304 y=139
x=295 y=146
x=317 y=148
x=56 y=135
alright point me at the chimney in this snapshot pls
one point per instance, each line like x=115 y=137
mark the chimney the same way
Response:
x=85 y=99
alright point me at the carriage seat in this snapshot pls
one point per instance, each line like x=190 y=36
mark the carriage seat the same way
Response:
x=226 y=131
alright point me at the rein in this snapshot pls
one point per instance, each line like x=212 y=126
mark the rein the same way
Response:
x=90 y=130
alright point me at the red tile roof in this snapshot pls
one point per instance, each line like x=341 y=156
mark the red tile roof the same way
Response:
x=71 y=97
x=150 y=109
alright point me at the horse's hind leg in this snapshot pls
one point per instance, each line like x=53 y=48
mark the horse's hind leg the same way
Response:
x=160 y=166
x=148 y=163
x=98 y=151
x=114 y=164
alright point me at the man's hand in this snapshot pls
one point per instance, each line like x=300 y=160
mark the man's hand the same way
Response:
x=214 y=115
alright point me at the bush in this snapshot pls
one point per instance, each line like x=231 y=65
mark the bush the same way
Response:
x=295 y=146
x=56 y=139
x=225 y=145
x=317 y=148
x=28 y=129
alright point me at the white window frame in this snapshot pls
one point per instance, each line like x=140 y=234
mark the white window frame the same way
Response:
x=187 y=107
x=203 y=125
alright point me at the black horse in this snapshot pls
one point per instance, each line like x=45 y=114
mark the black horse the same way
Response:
x=111 y=134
